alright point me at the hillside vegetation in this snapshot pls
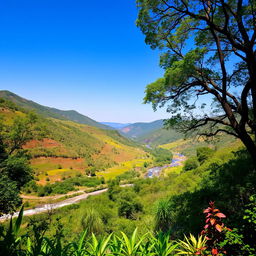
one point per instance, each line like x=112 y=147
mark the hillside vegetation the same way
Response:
x=65 y=148
x=50 y=112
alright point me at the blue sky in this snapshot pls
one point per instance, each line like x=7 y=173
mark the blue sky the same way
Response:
x=82 y=55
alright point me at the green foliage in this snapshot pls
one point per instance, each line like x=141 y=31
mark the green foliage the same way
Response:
x=162 y=156
x=129 y=175
x=163 y=218
x=190 y=164
x=197 y=41
x=17 y=169
x=69 y=184
x=9 y=195
x=192 y=246
x=128 y=208
x=92 y=222
x=204 y=153
x=10 y=239
x=48 y=112
x=14 y=166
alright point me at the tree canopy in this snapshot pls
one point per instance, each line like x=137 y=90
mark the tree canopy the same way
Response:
x=15 y=171
x=208 y=54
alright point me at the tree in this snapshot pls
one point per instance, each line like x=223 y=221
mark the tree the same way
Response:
x=15 y=171
x=190 y=164
x=208 y=54
x=204 y=153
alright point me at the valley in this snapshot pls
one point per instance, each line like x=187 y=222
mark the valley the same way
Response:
x=119 y=181
x=128 y=128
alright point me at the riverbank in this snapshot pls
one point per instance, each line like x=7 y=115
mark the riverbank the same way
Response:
x=177 y=160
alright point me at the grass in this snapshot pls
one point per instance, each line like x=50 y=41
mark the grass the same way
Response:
x=113 y=172
x=188 y=146
x=173 y=170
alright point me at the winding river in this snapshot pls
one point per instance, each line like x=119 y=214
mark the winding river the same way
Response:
x=177 y=160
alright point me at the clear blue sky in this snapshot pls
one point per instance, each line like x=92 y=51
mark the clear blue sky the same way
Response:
x=77 y=54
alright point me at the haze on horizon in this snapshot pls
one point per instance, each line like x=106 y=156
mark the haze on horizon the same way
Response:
x=85 y=56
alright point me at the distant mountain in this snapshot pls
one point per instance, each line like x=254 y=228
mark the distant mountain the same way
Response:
x=71 y=115
x=116 y=126
x=152 y=133
x=138 y=130
x=160 y=136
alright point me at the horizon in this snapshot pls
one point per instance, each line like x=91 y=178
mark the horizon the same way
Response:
x=127 y=123
x=79 y=56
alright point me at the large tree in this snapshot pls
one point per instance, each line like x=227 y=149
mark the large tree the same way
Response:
x=209 y=57
x=15 y=171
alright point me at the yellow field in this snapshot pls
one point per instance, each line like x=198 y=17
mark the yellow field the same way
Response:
x=175 y=144
x=111 y=173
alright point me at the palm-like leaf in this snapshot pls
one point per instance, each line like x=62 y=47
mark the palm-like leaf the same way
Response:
x=191 y=245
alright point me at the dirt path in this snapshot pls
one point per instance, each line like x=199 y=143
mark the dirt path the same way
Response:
x=49 y=207
x=51 y=197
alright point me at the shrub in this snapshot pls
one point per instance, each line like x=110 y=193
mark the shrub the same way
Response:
x=204 y=153
x=190 y=164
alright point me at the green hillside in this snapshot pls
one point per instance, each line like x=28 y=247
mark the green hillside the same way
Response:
x=67 y=148
x=160 y=136
x=51 y=112
x=139 y=130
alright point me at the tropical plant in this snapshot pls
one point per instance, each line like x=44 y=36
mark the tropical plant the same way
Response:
x=10 y=240
x=214 y=229
x=130 y=246
x=162 y=245
x=192 y=245
x=98 y=247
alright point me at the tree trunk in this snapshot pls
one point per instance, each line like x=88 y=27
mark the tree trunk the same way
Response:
x=249 y=144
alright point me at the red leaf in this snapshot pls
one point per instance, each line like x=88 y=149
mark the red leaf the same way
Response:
x=207 y=210
x=214 y=251
x=212 y=221
x=220 y=215
x=218 y=227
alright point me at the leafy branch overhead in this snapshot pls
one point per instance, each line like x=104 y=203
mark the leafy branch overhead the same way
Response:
x=208 y=54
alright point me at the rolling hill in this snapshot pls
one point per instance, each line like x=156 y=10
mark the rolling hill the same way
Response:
x=138 y=130
x=71 y=115
x=67 y=148
x=152 y=133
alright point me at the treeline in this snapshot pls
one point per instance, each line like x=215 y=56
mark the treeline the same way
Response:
x=64 y=186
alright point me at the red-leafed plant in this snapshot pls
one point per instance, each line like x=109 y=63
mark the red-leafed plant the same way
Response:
x=214 y=229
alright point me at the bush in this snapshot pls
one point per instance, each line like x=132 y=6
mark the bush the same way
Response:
x=190 y=164
x=128 y=209
x=204 y=153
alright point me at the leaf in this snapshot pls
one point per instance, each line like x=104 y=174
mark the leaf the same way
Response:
x=220 y=215
x=214 y=251
x=207 y=210
x=218 y=227
x=212 y=221
x=18 y=221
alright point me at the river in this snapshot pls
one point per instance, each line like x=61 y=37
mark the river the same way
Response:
x=177 y=160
